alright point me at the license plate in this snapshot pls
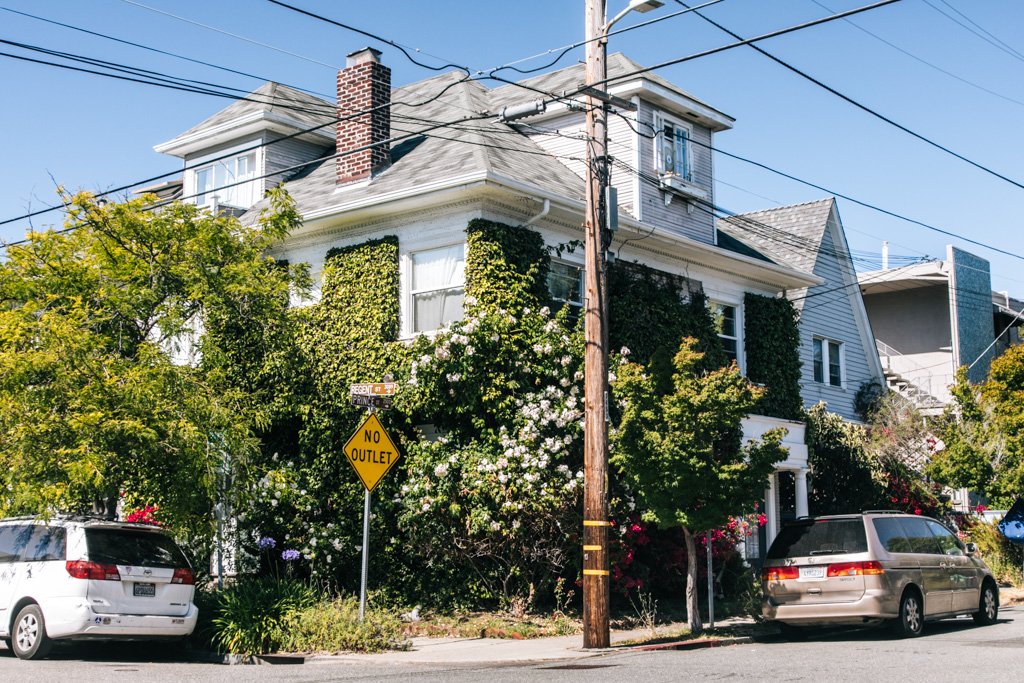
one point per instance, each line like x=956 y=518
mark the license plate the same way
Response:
x=812 y=572
x=144 y=590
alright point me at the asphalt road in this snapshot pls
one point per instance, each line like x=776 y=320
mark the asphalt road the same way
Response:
x=949 y=651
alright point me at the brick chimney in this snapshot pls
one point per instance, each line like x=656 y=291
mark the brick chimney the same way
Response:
x=363 y=84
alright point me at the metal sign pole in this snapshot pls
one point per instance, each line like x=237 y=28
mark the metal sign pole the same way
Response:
x=711 y=584
x=366 y=548
x=366 y=556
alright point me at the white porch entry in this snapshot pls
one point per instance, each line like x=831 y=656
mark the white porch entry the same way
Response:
x=754 y=426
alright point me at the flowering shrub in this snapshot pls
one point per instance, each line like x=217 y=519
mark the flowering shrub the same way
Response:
x=500 y=490
x=144 y=515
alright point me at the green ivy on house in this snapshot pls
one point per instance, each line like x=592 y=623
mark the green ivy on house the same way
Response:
x=650 y=311
x=772 y=345
x=506 y=267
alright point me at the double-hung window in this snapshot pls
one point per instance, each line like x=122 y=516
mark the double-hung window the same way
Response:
x=727 y=325
x=229 y=180
x=438 y=287
x=828 y=361
x=565 y=283
x=672 y=148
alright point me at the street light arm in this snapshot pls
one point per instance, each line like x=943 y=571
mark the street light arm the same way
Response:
x=638 y=5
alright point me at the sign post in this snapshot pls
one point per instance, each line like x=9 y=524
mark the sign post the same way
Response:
x=372 y=453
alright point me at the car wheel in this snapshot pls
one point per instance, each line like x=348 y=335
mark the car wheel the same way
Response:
x=29 y=640
x=988 y=605
x=910 y=623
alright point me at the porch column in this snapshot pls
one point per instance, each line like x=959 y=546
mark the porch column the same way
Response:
x=801 y=492
x=772 y=528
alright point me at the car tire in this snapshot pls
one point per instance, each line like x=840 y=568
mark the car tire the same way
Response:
x=988 y=605
x=29 y=639
x=910 y=623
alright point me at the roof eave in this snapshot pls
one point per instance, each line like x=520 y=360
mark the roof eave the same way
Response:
x=248 y=124
x=699 y=253
x=675 y=100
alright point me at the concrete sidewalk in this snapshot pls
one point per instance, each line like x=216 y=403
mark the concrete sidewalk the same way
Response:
x=425 y=650
x=471 y=650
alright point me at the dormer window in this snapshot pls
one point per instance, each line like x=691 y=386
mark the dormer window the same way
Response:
x=230 y=180
x=672 y=148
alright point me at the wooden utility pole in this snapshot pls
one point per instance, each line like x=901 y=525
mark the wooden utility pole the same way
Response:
x=595 y=440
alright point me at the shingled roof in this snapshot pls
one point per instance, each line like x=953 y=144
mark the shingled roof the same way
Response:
x=276 y=98
x=787 y=235
x=425 y=153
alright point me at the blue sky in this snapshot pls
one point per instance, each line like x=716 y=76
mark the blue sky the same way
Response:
x=95 y=133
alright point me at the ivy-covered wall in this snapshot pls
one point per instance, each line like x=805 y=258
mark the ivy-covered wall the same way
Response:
x=651 y=311
x=506 y=267
x=772 y=343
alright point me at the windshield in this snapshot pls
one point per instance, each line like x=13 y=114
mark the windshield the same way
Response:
x=819 y=537
x=131 y=547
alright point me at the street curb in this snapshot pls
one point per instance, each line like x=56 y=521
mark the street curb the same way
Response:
x=696 y=644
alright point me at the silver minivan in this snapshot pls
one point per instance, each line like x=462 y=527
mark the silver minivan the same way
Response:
x=874 y=567
x=77 y=578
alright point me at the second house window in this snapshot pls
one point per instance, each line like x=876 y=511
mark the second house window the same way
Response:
x=728 y=330
x=438 y=287
x=672 y=148
x=828 y=362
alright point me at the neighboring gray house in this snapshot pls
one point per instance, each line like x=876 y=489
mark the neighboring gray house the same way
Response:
x=837 y=347
x=931 y=318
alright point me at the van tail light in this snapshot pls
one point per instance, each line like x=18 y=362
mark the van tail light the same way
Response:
x=184 y=576
x=870 y=568
x=82 y=569
x=780 y=573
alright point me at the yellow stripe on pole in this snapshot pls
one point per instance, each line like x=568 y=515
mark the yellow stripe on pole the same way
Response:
x=591 y=547
x=595 y=572
x=596 y=522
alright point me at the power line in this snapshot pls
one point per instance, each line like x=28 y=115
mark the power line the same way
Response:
x=296 y=167
x=564 y=50
x=981 y=32
x=836 y=193
x=153 y=49
x=844 y=97
x=233 y=35
x=924 y=61
x=381 y=39
x=206 y=162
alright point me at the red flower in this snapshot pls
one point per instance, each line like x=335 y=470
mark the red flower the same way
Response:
x=917 y=511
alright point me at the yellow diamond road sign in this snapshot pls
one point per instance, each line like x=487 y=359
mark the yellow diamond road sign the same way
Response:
x=371 y=452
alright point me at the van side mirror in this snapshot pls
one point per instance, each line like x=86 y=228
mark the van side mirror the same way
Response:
x=971 y=548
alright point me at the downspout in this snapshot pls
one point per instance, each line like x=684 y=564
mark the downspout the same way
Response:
x=543 y=212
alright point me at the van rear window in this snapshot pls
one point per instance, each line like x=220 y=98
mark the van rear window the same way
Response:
x=136 y=548
x=819 y=537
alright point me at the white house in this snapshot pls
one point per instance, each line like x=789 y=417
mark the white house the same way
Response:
x=420 y=161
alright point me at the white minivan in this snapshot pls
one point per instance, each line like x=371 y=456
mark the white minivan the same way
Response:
x=76 y=578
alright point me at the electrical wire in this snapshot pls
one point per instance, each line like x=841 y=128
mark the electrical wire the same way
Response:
x=922 y=60
x=842 y=96
x=156 y=50
x=566 y=49
x=981 y=33
x=823 y=188
x=373 y=36
x=233 y=35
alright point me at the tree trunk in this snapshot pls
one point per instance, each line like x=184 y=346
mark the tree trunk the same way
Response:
x=692 y=608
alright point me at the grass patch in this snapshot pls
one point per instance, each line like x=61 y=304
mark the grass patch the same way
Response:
x=333 y=626
x=494 y=625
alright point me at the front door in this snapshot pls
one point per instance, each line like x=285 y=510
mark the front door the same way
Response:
x=964 y=577
x=938 y=592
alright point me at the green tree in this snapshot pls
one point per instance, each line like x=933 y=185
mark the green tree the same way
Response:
x=971 y=437
x=841 y=478
x=96 y=321
x=682 y=452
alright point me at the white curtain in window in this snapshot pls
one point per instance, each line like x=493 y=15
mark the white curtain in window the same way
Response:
x=438 y=276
